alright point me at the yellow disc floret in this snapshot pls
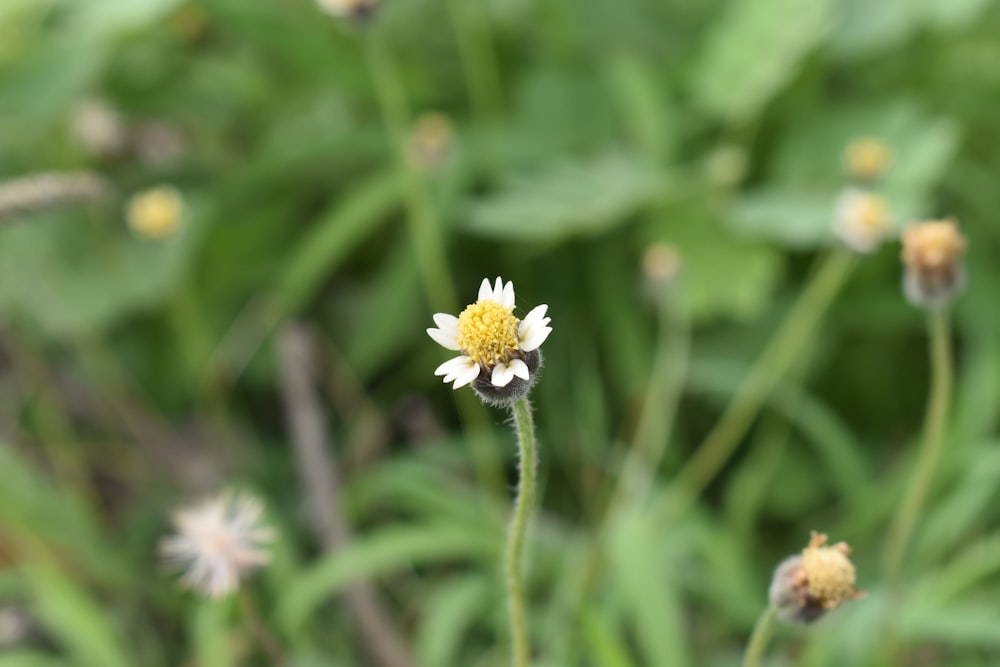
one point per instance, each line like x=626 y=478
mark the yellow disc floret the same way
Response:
x=487 y=332
x=829 y=573
x=156 y=213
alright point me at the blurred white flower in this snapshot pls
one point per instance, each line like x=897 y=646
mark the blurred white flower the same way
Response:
x=861 y=220
x=155 y=213
x=218 y=543
x=492 y=341
x=349 y=9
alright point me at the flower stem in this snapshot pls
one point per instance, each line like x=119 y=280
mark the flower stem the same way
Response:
x=259 y=631
x=780 y=353
x=762 y=631
x=659 y=406
x=942 y=377
x=527 y=466
x=479 y=64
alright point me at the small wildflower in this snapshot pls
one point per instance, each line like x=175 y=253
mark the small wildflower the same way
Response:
x=99 y=128
x=499 y=353
x=355 y=10
x=218 y=543
x=866 y=158
x=430 y=141
x=861 y=219
x=932 y=256
x=660 y=263
x=819 y=580
x=155 y=214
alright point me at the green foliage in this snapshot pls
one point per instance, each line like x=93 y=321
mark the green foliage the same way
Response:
x=139 y=374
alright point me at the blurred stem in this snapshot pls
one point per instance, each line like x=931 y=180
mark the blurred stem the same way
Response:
x=264 y=638
x=479 y=64
x=659 y=407
x=773 y=363
x=942 y=378
x=762 y=631
x=527 y=467
x=421 y=217
x=428 y=244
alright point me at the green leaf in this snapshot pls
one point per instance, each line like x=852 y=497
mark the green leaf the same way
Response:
x=642 y=575
x=377 y=553
x=753 y=50
x=74 y=618
x=449 y=614
x=564 y=200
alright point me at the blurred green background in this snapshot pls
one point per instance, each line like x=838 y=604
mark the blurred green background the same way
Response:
x=137 y=374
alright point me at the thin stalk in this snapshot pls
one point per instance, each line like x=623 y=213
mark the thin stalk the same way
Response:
x=759 y=639
x=479 y=63
x=773 y=363
x=428 y=243
x=659 y=408
x=421 y=217
x=527 y=450
x=942 y=379
x=258 y=630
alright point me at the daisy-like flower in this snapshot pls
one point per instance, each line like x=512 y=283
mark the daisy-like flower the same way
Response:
x=218 y=543
x=155 y=214
x=861 y=220
x=499 y=353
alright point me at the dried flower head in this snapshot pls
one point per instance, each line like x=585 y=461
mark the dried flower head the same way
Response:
x=430 y=141
x=861 y=219
x=355 y=10
x=499 y=353
x=807 y=586
x=155 y=213
x=932 y=256
x=218 y=543
x=867 y=158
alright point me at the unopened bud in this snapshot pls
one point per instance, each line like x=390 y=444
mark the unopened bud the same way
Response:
x=660 y=263
x=430 y=142
x=932 y=257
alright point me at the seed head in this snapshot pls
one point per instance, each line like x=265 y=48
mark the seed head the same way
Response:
x=218 y=543
x=932 y=257
x=808 y=585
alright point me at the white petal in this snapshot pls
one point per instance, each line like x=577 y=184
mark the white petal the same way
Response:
x=534 y=329
x=485 y=291
x=446 y=335
x=507 y=296
x=520 y=369
x=502 y=374
x=466 y=376
x=462 y=370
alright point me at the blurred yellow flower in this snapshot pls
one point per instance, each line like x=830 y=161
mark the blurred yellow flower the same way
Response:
x=155 y=213
x=867 y=158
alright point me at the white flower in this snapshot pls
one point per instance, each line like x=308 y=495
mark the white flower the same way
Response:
x=218 y=542
x=489 y=337
x=351 y=9
x=862 y=220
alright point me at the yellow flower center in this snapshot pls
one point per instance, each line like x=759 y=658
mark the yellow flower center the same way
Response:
x=487 y=332
x=829 y=572
x=872 y=213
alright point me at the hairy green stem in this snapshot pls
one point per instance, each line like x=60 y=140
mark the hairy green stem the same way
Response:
x=762 y=631
x=527 y=467
x=773 y=363
x=942 y=378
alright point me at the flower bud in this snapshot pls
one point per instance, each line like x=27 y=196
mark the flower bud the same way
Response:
x=354 y=10
x=660 y=263
x=932 y=257
x=866 y=158
x=430 y=141
x=806 y=586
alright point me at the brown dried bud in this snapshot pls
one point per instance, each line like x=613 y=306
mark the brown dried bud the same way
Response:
x=932 y=256
x=807 y=586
